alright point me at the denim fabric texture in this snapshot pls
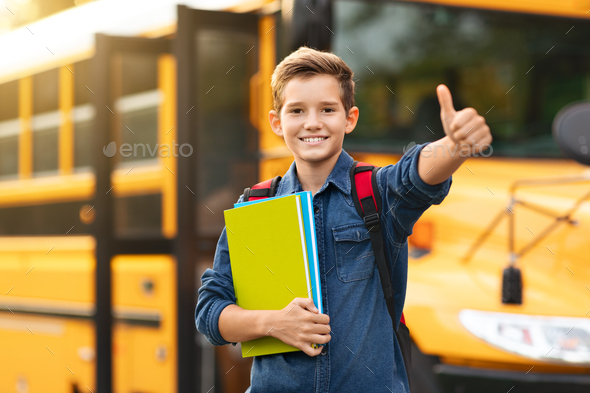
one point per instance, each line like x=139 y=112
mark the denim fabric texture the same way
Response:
x=363 y=355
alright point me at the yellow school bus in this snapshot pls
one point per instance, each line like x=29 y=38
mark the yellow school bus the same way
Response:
x=125 y=133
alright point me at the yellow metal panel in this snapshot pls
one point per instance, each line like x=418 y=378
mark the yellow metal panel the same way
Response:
x=39 y=349
x=10 y=268
x=376 y=159
x=25 y=142
x=167 y=136
x=66 y=129
x=47 y=190
x=267 y=61
x=123 y=348
x=255 y=115
x=274 y=167
x=44 y=244
x=80 y=186
x=249 y=6
x=79 y=353
x=149 y=353
x=33 y=356
x=439 y=286
x=571 y=8
x=159 y=32
x=142 y=180
x=53 y=274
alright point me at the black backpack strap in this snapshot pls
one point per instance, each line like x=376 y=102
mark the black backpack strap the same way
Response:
x=367 y=201
x=265 y=189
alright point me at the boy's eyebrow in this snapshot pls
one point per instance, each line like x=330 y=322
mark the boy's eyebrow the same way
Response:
x=321 y=103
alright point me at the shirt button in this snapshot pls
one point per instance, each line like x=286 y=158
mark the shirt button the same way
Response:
x=324 y=349
x=316 y=210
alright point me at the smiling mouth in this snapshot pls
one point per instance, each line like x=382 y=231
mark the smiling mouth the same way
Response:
x=317 y=139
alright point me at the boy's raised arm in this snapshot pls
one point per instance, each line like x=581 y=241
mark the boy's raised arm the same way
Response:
x=467 y=134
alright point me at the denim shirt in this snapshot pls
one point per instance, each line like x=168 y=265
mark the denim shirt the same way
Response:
x=363 y=354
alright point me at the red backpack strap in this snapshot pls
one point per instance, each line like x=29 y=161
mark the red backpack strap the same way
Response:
x=367 y=200
x=365 y=193
x=262 y=190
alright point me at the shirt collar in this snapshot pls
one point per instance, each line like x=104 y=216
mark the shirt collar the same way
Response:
x=339 y=177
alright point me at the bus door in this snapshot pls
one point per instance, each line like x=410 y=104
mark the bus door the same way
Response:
x=217 y=57
x=134 y=226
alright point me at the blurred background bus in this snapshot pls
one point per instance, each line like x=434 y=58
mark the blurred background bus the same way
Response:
x=127 y=127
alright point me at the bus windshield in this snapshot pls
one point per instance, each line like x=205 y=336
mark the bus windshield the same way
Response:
x=516 y=70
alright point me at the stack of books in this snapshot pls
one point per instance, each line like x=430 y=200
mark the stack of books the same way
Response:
x=274 y=259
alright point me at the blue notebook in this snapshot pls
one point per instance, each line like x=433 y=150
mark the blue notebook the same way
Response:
x=310 y=241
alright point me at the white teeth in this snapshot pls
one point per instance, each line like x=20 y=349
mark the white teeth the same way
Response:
x=313 y=139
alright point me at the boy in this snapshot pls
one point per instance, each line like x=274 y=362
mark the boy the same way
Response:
x=313 y=94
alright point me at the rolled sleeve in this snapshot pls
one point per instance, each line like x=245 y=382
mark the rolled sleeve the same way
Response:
x=213 y=298
x=215 y=294
x=405 y=195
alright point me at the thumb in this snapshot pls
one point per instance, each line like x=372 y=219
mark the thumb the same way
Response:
x=447 y=110
x=308 y=304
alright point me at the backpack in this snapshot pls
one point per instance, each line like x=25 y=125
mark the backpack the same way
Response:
x=367 y=201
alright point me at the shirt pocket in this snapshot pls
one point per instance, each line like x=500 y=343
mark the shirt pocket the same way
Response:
x=355 y=259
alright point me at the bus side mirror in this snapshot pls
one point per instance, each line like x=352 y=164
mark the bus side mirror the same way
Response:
x=308 y=22
x=571 y=131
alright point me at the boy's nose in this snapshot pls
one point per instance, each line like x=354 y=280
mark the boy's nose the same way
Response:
x=312 y=122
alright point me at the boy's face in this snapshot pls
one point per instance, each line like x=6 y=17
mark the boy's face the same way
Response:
x=312 y=120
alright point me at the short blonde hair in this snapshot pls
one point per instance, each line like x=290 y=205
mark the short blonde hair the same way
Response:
x=305 y=63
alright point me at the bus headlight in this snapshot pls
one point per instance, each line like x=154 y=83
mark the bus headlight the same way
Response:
x=560 y=339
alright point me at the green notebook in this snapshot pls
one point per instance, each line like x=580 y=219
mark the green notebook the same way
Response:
x=268 y=261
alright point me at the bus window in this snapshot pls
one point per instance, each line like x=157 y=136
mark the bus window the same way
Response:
x=45 y=122
x=138 y=215
x=517 y=70
x=226 y=143
x=83 y=114
x=138 y=106
x=83 y=117
x=9 y=130
x=45 y=219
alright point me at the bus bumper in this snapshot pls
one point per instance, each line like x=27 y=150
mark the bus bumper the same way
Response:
x=468 y=379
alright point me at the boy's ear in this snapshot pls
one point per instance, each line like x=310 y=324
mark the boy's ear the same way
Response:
x=351 y=120
x=275 y=123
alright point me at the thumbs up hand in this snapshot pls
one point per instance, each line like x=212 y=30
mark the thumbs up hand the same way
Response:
x=466 y=128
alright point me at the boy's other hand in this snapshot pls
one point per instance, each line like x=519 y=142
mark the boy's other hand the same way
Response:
x=466 y=128
x=300 y=325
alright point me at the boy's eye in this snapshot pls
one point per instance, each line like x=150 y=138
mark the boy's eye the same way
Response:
x=329 y=109
x=295 y=110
